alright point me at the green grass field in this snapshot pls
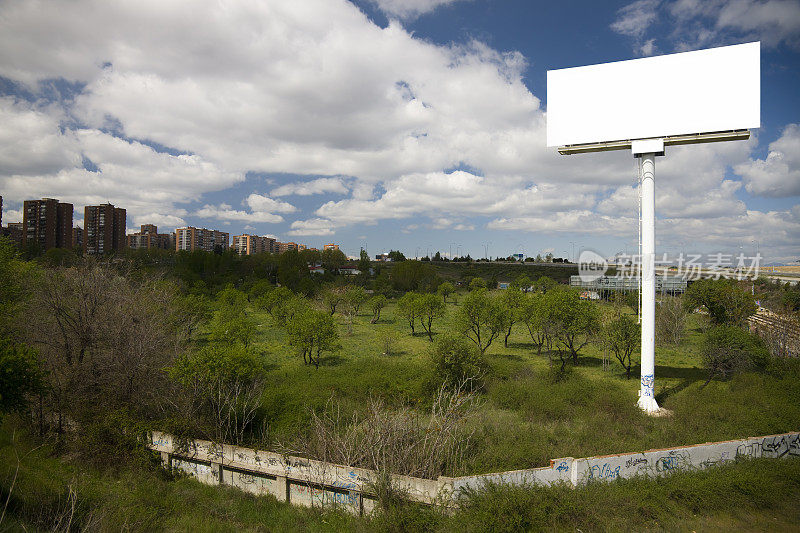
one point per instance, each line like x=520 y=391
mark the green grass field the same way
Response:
x=41 y=491
x=525 y=419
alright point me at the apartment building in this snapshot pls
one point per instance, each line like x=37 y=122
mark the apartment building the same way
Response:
x=104 y=229
x=191 y=239
x=48 y=223
x=148 y=237
x=331 y=246
x=253 y=244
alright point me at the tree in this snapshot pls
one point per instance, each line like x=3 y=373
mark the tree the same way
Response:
x=414 y=276
x=285 y=310
x=377 y=303
x=396 y=256
x=20 y=376
x=292 y=268
x=455 y=361
x=544 y=284
x=332 y=297
x=480 y=319
x=729 y=349
x=408 y=308
x=522 y=283
x=445 y=289
x=16 y=278
x=671 y=320
x=354 y=298
x=312 y=332
x=533 y=315
x=332 y=259
x=511 y=301
x=269 y=301
x=383 y=284
x=570 y=318
x=230 y=322
x=429 y=307
x=224 y=385
x=477 y=284
x=623 y=336
x=725 y=301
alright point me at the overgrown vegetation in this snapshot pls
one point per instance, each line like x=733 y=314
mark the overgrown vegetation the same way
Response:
x=209 y=346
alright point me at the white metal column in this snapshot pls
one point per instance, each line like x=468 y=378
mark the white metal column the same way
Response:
x=647 y=401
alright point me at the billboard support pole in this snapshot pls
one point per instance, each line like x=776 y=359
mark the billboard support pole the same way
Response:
x=647 y=401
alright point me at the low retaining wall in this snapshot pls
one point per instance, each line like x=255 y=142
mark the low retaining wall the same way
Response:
x=316 y=483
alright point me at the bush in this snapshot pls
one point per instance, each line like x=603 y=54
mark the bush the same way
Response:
x=455 y=360
x=725 y=301
x=671 y=321
x=730 y=349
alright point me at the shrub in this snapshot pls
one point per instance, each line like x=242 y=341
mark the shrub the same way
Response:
x=455 y=361
x=725 y=301
x=671 y=320
x=730 y=349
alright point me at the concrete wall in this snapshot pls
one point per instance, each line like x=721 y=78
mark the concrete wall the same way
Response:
x=315 y=483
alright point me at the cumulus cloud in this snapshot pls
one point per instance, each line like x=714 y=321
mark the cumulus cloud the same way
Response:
x=262 y=209
x=409 y=9
x=307 y=188
x=777 y=175
x=313 y=226
x=703 y=23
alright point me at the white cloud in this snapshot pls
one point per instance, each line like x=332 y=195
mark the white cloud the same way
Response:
x=313 y=226
x=12 y=215
x=778 y=175
x=703 y=23
x=634 y=19
x=306 y=188
x=262 y=209
x=409 y=9
x=165 y=223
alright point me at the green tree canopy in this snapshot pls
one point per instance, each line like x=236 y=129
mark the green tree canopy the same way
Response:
x=480 y=318
x=312 y=332
x=725 y=300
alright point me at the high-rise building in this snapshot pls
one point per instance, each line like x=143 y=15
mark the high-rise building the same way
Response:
x=149 y=237
x=48 y=223
x=77 y=236
x=191 y=239
x=253 y=244
x=104 y=228
x=13 y=231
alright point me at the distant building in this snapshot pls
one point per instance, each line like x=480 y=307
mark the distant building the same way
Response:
x=191 y=239
x=48 y=223
x=13 y=231
x=384 y=257
x=253 y=244
x=104 y=229
x=331 y=246
x=148 y=237
x=77 y=236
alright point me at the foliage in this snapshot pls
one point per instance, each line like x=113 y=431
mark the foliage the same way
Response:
x=274 y=298
x=623 y=337
x=725 y=300
x=570 y=318
x=332 y=297
x=15 y=280
x=477 y=283
x=456 y=361
x=408 y=308
x=230 y=322
x=354 y=298
x=376 y=304
x=414 y=276
x=533 y=315
x=729 y=349
x=511 y=301
x=445 y=289
x=396 y=256
x=522 y=283
x=222 y=384
x=429 y=307
x=545 y=283
x=671 y=320
x=480 y=318
x=20 y=376
x=312 y=332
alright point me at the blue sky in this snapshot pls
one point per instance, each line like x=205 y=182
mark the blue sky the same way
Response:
x=392 y=124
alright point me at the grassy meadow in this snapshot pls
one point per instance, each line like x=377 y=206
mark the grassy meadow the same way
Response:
x=525 y=417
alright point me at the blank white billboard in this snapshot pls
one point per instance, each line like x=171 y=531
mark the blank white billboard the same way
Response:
x=678 y=94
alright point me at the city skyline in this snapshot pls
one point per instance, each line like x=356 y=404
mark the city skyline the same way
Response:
x=385 y=127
